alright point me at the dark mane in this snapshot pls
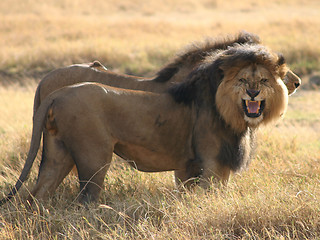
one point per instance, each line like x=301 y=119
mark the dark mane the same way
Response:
x=206 y=78
x=203 y=81
x=199 y=51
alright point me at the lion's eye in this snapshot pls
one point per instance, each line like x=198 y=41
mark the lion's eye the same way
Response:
x=263 y=80
x=242 y=80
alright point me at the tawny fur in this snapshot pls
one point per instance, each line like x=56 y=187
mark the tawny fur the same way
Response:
x=188 y=128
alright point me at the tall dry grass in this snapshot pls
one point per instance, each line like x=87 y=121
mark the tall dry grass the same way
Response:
x=278 y=197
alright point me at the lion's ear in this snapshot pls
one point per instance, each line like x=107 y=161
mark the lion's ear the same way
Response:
x=281 y=59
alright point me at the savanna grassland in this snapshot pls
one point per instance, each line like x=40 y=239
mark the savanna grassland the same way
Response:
x=278 y=197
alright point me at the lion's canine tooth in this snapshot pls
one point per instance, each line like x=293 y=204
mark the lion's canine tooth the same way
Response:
x=256 y=102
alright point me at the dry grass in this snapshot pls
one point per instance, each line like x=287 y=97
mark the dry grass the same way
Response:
x=278 y=197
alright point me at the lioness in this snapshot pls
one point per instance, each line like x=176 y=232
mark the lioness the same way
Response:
x=207 y=121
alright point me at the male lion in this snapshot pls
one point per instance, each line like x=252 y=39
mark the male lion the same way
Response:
x=204 y=126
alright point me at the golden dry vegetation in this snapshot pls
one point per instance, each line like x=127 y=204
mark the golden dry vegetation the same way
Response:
x=278 y=197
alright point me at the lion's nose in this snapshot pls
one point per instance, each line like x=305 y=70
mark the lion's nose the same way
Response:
x=252 y=93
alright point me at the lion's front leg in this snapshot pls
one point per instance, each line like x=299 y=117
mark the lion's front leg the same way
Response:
x=201 y=172
x=208 y=150
x=190 y=175
x=215 y=173
x=211 y=174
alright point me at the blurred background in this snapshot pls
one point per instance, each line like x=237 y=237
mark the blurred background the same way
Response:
x=139 y=36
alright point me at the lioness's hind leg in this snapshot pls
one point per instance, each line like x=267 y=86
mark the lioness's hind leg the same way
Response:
x=55 y=165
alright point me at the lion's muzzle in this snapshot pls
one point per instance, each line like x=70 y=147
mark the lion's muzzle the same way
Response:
x=252 y=93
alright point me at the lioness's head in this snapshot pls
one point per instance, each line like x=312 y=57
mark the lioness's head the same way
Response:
x=251 y=91
x=292 y=82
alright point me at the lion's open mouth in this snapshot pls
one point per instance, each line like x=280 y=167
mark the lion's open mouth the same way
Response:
x=253 y=109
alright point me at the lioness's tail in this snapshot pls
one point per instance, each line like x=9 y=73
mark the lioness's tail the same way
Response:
x=38 y=124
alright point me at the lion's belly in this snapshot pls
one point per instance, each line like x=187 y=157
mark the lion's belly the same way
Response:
x=148 y=160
